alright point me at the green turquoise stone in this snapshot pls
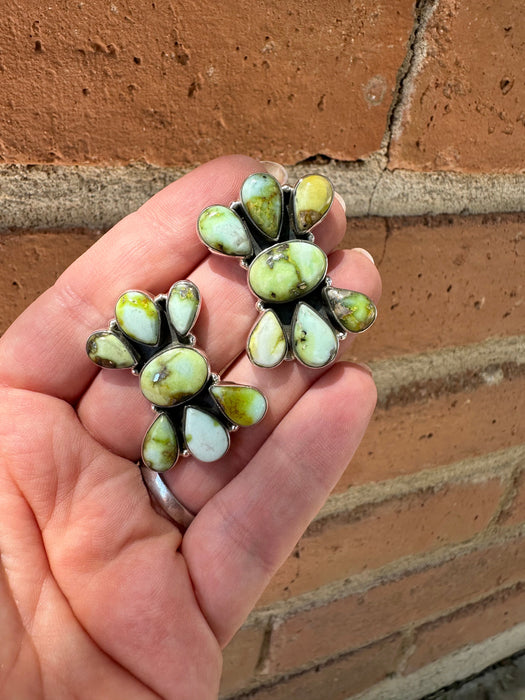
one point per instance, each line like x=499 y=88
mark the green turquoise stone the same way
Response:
x=222 y=230
x=107 y=350
x=242 y=405
x=138 y=317
x=313 y=196
x=261 y=197
x=353 y=310
x=173 y=376
x=206 y=437
x=267 y=343
x=314 y=342
x=183 y=306
x=287 y=271
x=160 y=449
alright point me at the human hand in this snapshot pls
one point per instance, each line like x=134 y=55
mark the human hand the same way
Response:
x=99 y=595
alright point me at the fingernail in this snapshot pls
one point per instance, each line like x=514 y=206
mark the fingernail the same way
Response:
x=340 y=200
x=365 y=253
x=277 y=170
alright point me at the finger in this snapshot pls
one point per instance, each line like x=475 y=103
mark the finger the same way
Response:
x=118 y=415
x=147 y=250
x=247 y=530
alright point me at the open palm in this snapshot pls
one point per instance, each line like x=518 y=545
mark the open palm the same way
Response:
x=100 y=596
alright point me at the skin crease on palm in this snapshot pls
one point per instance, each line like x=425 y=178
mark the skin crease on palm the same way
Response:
x=101 y=597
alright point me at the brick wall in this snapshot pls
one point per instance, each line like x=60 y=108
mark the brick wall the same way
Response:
x=413 y=575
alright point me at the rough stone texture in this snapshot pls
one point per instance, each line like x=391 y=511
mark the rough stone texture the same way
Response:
x=514 y=514
x=181 y=82
x=446 y=281
x=336 y=680
x=240 y=659
x=469 y=626
x=460 y=665
x=420 y=435
x=362 y=617
x=31 y=262
x=373 y=535
x=462 y=107
x=88 y=195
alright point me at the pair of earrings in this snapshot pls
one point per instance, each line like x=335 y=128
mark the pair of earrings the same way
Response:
x=302 y=317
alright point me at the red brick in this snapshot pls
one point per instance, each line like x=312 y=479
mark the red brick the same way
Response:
x=338 y=679
x=515 y=513
x=472 y=625
x=359 y=619
x=180 y=83
x=447 y=281
x=31 y=262
x=466 y=102
x=374 y=535
x=420 y=435
x=240 y=659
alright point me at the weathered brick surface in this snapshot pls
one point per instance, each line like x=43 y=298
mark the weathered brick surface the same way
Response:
x=465 y=106
x=361 y=618
x=407 y=438
x=374 y=535
x=182 y=82
x=338 y=679
x=469 y=626
x=447 y=280
x=31 y=262
x=240 y=659
x=515 y=512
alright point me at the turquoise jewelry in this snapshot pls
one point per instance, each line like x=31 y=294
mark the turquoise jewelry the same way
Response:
x=195 y=411
x=302 y=315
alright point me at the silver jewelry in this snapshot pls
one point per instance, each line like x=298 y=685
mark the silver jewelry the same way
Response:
x=195 y=411
x=163 y=498
x=269 y=229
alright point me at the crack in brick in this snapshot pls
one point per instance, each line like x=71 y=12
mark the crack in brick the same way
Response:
x=423 y=10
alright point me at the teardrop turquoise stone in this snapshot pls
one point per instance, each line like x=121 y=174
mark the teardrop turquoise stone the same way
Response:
x=222 y=230
x=206 y=438
x=137 y=315
x=287 y=271
x=243 y=405
x=183 y=305
x=313 y=196
x=314 y=342
x=261 y=197
x=353 y=310
x=173 y=376
x=105 y=349
x=160 y=449
x=267 y=343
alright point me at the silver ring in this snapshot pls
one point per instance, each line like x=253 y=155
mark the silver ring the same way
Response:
x=164 y=499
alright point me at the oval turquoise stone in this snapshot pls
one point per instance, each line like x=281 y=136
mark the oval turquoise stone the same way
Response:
x=287 y=271
x=222 y=230
x=173 y=376
x=160 y=449
x=261 y=197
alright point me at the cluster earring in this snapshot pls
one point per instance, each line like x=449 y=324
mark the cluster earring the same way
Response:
x=302 y=315
x=195 y=411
